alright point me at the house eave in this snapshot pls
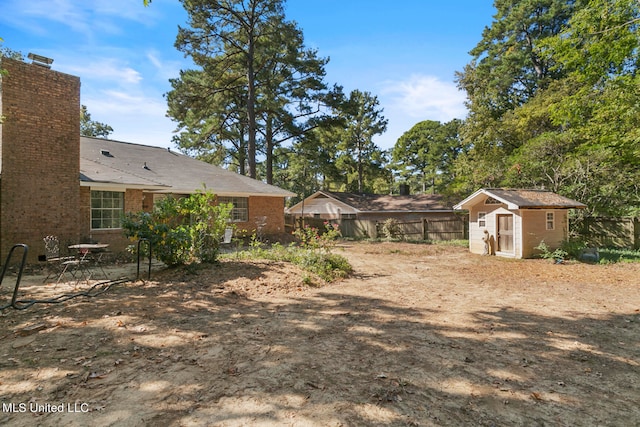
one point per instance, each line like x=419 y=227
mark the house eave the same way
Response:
x=121 y=186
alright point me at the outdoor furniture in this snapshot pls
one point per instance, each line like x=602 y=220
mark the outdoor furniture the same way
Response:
x=91 y=255
x=62 y=265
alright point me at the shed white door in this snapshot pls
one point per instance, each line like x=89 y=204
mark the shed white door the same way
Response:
x=505 y=233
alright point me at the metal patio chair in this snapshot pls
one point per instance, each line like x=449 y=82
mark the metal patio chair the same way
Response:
x=61 y=265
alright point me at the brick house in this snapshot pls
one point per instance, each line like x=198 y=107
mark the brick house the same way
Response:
x=52 y=181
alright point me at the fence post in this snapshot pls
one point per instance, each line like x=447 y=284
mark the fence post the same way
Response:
x=424 y=228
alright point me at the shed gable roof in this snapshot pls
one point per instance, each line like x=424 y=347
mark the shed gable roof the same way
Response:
x=105 y=162
x=521 y=199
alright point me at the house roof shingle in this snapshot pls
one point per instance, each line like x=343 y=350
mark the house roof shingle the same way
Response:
x=386 y=203
x=108 y=162
x=523 y=199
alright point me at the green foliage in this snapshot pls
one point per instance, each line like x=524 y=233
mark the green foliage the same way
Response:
x=312 y=253
x=558 y=254
x=554 y=103
x=256 y=84
x=424 y=155
x=363 y=120
x=181 y=230
x=316 y=240
x=611 y=255
x=573 y=248
x=391 y=229
x=92 y=128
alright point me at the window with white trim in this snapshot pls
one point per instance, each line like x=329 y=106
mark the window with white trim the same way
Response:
x=551 y=221
x=482 y=219
x=240 y=211
x=107 y=209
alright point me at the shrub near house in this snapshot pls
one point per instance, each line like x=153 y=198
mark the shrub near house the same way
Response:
x=182 y=231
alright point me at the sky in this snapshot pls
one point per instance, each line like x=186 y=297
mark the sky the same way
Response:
x=405 y=52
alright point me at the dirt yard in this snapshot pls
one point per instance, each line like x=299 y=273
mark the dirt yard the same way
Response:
x=419 y=336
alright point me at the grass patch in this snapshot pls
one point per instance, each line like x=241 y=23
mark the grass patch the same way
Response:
x=612 y=255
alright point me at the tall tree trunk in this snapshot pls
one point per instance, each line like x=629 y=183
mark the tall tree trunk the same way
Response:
x=251 y=110
x=269 y=149
x=360 y=170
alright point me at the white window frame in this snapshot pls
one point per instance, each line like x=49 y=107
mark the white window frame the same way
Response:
x=482 y=219
x=550 y=220
x=240 y=211
x=105 y=205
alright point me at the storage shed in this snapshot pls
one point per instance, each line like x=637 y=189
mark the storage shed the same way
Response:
x=512 y=222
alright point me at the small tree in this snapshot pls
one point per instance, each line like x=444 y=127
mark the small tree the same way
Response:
x=182 y=230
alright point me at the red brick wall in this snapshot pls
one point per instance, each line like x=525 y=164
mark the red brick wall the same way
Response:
x=262 y=206
x=40 y=140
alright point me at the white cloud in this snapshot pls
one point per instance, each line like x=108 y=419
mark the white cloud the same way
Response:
x=87 y=18
x=414 y=99
x=107 y=71
x=424 y=98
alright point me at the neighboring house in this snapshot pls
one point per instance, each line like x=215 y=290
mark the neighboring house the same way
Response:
x=335 y=205
x=369 y=209
x=52 y=181
x=513 y=222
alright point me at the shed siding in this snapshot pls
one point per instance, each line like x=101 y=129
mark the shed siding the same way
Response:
x=535 y=230
x=476 y=232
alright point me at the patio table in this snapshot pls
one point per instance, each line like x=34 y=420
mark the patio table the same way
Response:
x=85 y=250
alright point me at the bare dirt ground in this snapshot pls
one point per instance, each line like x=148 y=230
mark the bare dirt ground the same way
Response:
x=420 y=335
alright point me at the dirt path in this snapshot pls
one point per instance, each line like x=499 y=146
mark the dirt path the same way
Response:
x=420 y=335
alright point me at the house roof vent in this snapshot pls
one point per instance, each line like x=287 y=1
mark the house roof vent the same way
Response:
x=106 y=153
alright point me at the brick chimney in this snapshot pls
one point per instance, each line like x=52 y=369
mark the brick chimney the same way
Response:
x=40 y=156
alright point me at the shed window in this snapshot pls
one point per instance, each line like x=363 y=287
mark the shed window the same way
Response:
x=482 y=219
x=107 y=209
x=550 y=221
x=240 y=211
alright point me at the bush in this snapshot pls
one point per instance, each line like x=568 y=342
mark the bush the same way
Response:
x=312 y=253
x=181 y=231
x=391 y=229
x=557 y=255
x=312 y=238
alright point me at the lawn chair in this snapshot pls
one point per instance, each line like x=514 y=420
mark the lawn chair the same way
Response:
x=61 y=265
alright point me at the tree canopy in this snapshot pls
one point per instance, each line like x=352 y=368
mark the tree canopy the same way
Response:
x=553 y=99
x=257 y=84
x=92 y=128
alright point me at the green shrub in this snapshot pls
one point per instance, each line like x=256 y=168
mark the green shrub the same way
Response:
x=557 y=255
x=181 y=230
x=312 y=253
x=391 y=229
x=316 y=239
x=573 y=248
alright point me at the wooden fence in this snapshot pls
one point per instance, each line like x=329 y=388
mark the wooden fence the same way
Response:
x=420 y=229
x=610 y=232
